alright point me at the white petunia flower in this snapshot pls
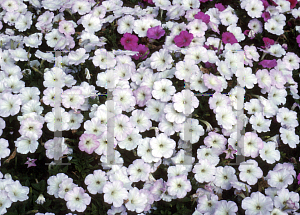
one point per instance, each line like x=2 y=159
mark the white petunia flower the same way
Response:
x=34 y=40
x=96 y=181
x=91 y=23
x=25 y=145
x=104 y=59
x=269 y=153
x=163 y=90
x=161 y=60
x=138 y=170
x=77 y=199
x=279 y=178
x=254 y=8
x=191 y=131
x=204 y=171
x=57 y=120
x=19 y=54
x=77 y=57
x=257 y=203
x=250 y=172
x=288 y=136
x=246 y=78
x=65 y=186
x=224 y=176
x=226 y=207
x=287 y=117
x=162 y=146
x=4 y=150
x=115 y=193
x=228 y=18
x=137 y=200
x=179 y=186
x=185 y=102
x=273 y=27
x=9 y=104
x=125 y=24
x=17 y=192
x=259 y=123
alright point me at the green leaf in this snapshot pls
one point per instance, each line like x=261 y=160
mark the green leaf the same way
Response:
x=36 y=187
x=94 y=209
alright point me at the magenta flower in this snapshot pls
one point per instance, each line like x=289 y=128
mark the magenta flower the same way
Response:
x=143 y=52
x=155 y=32
x=183 y=39
x=293 y=3
x=266 y=16
x=88 y=143
x=265 y=3
x=230 y=152
x=268 y=42
x=30 y=162
x=298 y=40
x=228 y=37
x=149 y=1
x=129 y=41
x=204 y=17
x=220 y=7
x=268 y=63
x=246 y=32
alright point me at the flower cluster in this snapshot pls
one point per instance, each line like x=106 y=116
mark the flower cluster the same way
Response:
x=185 y=67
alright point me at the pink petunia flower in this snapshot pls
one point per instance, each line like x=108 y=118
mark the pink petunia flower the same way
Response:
x=129 y=41
x=268 y=63
x=204 y=17
x=265 y=3
x=266 y=15
x=155 y=32
x=220 y=7
x=143 y=52
x=268 y=42
x=230 y=152
x=293 y=3
x=298 y=177
x=30 y=162
x=298 y=40
x=149 y=1
x=183 y=39
x=228 y=37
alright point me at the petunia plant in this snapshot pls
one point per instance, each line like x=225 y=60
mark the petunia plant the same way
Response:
x=149 y=107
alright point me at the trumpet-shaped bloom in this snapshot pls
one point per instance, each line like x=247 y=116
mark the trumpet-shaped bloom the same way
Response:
x=115 y=193
x=9 y=104
x=163 y=90
x=17 y=192
x=269 y=153
x=155 y=32
x=257 y=203
x=161 y=60
x=96 y=181
x=77 y=199
x=162 y=146
x=250 y=172
x=4 y=150
x=183 y=39
x=179 y=186
x=185 y=102
x=129 y=41
x=88 y=143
